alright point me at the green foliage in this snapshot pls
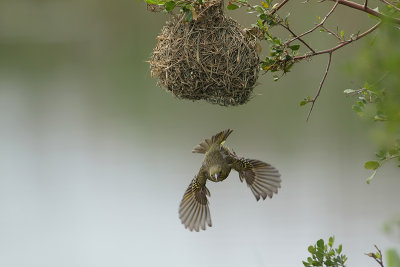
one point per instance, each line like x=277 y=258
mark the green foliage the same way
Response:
x=378 y=100
x=392 y=258
x=392 y=227
x=325 y=254
x=186 y=7
x=232 y=6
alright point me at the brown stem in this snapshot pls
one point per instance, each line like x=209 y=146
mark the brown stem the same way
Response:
x=320 y=85
x=368 y=10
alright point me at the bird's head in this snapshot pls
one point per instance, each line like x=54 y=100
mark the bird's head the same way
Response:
x=215 y=172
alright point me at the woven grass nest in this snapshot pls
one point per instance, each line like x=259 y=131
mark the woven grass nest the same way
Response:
x=209 y=58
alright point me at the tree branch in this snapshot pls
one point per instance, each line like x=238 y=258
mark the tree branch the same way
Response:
x=332 y=33
x=339 y=45
x=390 y=4
x=294 y=35
x=320 y=85
x=316 y=26
x=279 y=6
x=368 y=10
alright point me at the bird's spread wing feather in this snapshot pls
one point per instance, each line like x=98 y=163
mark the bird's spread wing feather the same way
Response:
x=219 y=138
x=262 y=178
x=193 y=210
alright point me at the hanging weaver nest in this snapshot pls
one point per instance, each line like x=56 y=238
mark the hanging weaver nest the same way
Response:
x=208 y=58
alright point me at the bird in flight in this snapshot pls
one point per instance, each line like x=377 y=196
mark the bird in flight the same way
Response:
x=262 y=179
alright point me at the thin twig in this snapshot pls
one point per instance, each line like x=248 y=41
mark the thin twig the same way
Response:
x=320 y=85
x=365 y=4
x=332 y=33
x=316 y=26
x=339 y=45
x=294 y=35
x=368 y=10
x=279 y=6
x=390 y=4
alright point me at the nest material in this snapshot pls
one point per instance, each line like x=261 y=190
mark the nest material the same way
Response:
x=209 y=58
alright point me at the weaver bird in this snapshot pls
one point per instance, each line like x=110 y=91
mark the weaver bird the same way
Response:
x=262 y=179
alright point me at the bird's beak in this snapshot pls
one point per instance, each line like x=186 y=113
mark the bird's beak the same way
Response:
x=216 y=177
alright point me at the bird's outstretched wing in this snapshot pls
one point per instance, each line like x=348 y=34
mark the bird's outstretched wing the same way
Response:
x=219 y=138
x=262 y=178
x=193 y=210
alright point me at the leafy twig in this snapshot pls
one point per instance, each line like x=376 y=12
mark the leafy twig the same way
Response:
x=376 y=256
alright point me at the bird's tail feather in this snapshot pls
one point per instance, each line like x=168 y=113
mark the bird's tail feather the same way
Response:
x=219 y=138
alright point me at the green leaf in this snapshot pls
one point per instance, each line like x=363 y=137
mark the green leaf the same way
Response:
x=380 y=117
x=294 y=47
x=189 y=16
x=329 y=263
x=372 y=165
x=356 y=108
x=287 y=19
x=152 y=2
x=306 y=264
x=232 y=7
x=303 y=102
x=342 y=34
x=320 y=255
x=339 y=250
x=320 y=243
x=392 y=258
x=349 y=91
x=259 y=9
x=371 y=177
x=331 y=240
x=311 y=249
x=170 y=5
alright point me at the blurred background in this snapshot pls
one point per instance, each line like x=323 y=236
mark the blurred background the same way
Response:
x=95 y=157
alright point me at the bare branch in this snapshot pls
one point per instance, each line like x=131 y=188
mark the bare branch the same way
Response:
x=332 y=33
x=294 y=35
x=320 y=85
x=316 y=26
x=339 y=45
x=368 y=10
